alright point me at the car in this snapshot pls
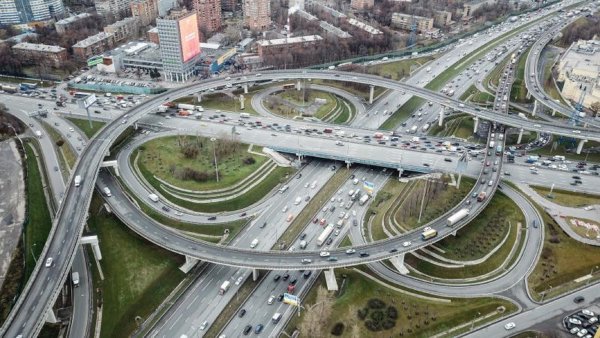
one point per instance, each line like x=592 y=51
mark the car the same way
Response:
x=406 y=244
x=306 y=261
x=49 y=261
x=247 y=330
x=574 y=321
x=323 y=221
x=280 y=298
x=510 y=326
x=316 y=220
x=578 y=299
x=258 y=328
x=307 y=274
x=55 y=168
x=276 y=278
x=239 y=280
x=166 y=208
x=286 y=276
x=212 y=218
x=393 y=250
x=332 y=259
x=350 y=251
x=364 y=254
x=264 y=224
x=588 y=312
x=329 y=241
x=582 y=333
x=243 y=214
x=271 y=299
x=303 y=236
x=324 y=254
x=203 y=325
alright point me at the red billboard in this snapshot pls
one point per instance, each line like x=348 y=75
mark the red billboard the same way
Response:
x=190 y=41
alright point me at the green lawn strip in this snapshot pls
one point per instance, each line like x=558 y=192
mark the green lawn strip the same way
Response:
x=528 y=136
x=345 y=242
x=345 y=114
x=568 y=198
x=312 y=208
x=549 y=86
x=407 y=109
x=221 y=101
x=384 y=199
x=360 y=90
x=397 y=70
x=66 y=155
x=532 y=334
x=84 y=125
x=439 y=198
x=276 y=177
x=162 y=155
x=138 y=275
x=562 y=260
x=567 y=149
x=416 y=316
x=518 y=91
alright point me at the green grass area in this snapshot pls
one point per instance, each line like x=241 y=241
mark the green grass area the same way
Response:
x=567 y=148
x=312 y=208
x=415 y=317
x=398 y=69
x=548 y=80
x=38 y=223
x=222 y=101
x=138 y=275
x=518 y=91
x=391 y=192
x=345 y=242
x=17 y=80
x=165 y=158
x=474 y=95
x=532 y=334
x=84 y=125
x=528 y=136
x=476 y=240
x=459 y=125
x=568 y=198
x=582 y=231
x=345 y=112
x=562 y=260
x=299 y=100
x=66 y=155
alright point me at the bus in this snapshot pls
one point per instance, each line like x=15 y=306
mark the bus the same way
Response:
x=428 y=234
x=25 y=87
x=289 y=86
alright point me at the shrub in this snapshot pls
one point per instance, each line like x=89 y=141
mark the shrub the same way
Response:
x=337 y=329
x=373 y=326
x=60 y=142
x=249 y=160
x=377 y=316
x=392 y=313
x=388 y=324
x=375 y=303
x=362 y=313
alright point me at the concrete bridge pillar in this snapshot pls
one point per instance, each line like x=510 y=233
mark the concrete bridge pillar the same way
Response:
x=371 y=93
x=190 y=262
x=476 y=124
x=330 y=280
x=50 y=317
x=553 y=112
x=520 y=136
x=398 y=263
x=528 y=96
x=454 y=233
x=400 y=172
x=113 y=164
x=348 y=164
x=298 y=85
x=93 y=241
x=535 y=107
x=580 y=146
x=245 y=88
x=441 y=119
x=254 y=275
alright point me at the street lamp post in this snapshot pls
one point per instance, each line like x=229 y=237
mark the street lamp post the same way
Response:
x=33 y=254
x=215 y=157
x=473 y=321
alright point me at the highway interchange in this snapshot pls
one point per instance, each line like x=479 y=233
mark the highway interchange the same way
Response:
x=72 y=209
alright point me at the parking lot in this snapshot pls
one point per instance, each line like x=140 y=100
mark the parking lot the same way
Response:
x=582 y=323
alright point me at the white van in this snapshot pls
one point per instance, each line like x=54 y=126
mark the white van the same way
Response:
x=254 y=243
x=276 y=318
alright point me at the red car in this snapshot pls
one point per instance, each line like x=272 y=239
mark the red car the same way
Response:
x=323 y=221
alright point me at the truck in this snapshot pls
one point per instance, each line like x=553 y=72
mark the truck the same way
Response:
x=153 y=197
x=428 y=234
x=77 y=180
x=162 y=108
x=38 y=134
x=325 y=234
x=224 y=287
x=413 y=129
x=9 y=89
x=558 y=157
x=482 y=195
x=462 y=213
x=521 y=115
x=303 y=244
x=425 y=127
x=75 y=278
x=106 y=192
x=186 y=106
x=245 y=115
x=363 y=199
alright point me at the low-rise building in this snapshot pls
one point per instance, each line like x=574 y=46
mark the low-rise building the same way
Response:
x=579 y=69
x=365 y=27
x=442 y=18
x=123 y=29
x=93 y=45
x=405 y=21
x=34 y=52
x=62 y=25
x=361 y=4
x=275 y=46
x=153 y=35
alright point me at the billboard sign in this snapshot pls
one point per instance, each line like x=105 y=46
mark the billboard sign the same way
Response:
x=190 y=40
x=94 y=60
x=226 y=56
x=291 y=299
x=86 y=102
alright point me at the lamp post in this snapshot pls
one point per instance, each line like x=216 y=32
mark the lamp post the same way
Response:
x=33 y=254
x=473 y=321
x=215 y=157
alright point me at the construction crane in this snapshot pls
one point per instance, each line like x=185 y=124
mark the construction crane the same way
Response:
x=578 y=111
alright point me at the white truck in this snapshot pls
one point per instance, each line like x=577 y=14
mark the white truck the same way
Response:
x=75 y=278
x=303 y=244
x=363 y=199
x=325 y=234
x=425 y=127
x=462 y=213
x=186 y=106
x=153 y=197
x=106 y=192
x=245 y=115
x=77 y=180
x=413 y=129
x=224 y=287
x=162 y=108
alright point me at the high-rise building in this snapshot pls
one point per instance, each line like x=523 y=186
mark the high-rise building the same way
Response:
x=228 y=5
x=179 y=44
x=145 y=10
x=208 y=13
x=361 y=4
x=24 y=11
x=257 y=14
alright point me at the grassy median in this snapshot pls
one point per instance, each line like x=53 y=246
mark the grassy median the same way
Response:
x=568 y=198
x=66 y=155
x=84 y=125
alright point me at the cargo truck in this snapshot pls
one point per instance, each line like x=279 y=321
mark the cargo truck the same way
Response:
x=303 y=245
x=428 y=234
x=413 y=129
x=162 y=108
x=186 y=106
x=363 y=199
x=482 y=195
x=462 y=213
x=77 y=180
x=325 y=234
x=75 y=278
x=153 y=197
x=425 y=127
x=224 y=287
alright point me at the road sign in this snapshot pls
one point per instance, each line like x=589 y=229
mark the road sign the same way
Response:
x=291 y=299
x=369 y=186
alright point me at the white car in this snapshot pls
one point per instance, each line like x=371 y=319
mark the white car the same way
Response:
x=324 y=209
x=270 y=300
x=49 y=262
x=285 y=208
x=306 y=185
x=585 y=311
x=509 y=326
x=350 y=251
x=203 y=325
x=574 y=321
x=353 y=212
x=239 y=280
x=407 y=243
x=324 y=254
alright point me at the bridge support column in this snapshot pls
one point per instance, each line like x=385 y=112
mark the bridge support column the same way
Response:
x=476 y=124
x=400 y=172
x=441 y=119
x=553 y=112
x=190 y=262
x=135 y=125
x=93 y=241
x=528 y=96
x=535 y=107
x=348 y=165
x=371 y=94
x=458 y=181
x=520 y=136
x=330 y=280
x=245 y=88
x=580 y=146
x=298 y=85
x=254 y=275
x=398 y=263
x=50 y=317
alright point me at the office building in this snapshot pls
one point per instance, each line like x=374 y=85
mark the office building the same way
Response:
x=179 y=44
x=35 y=52
x=208 y=13
x=24 y=11
x=361 y=4
x=257 y=14
x=145 y=10
x=405 y=21
x=579 y=70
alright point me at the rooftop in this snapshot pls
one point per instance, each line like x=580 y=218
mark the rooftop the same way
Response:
x=73 y=18
x=38 y=47
x=361 y=25
x=92 y=40
x=285 y=41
